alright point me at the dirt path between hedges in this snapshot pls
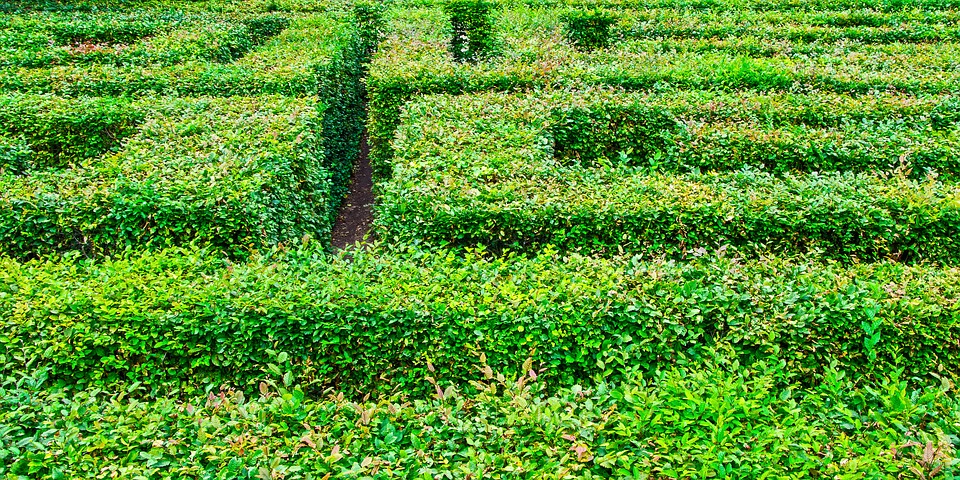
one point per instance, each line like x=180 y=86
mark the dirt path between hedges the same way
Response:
x=356 y=214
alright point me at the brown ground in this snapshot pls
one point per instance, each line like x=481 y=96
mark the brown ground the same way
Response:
x=356 y=214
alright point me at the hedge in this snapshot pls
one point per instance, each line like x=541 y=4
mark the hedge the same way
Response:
x=214 y=40
x=61 y=212
x=287 y=64
x=483 y=170
x=534 y=55
x=827 y=27
x=236 y=173
x=378 y=319
x=15 y=155
x=709 y=418
x=62 y=131
x=839 y=7
x=693 y=130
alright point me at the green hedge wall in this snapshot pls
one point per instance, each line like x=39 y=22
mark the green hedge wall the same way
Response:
x=108 y=203
x=535 y=56
x=287 y=64
x=63 y=131
x=483 y=170
x=703 y=418
x=236 y=173
x=385 y=320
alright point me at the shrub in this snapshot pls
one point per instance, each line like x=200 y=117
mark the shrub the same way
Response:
x=472 y=35
x=265 y=27
x=711 y=417
x=370 y=25
x=16 y=156
x=385 y=319
x=236 y=173
x=68 y=131
x=588 y=29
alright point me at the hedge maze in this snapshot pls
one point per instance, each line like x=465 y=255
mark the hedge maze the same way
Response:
x=612 y=239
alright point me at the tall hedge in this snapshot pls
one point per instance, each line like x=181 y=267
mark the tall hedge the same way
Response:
x=235 y=173
x=534 y=57
x=385 y=320
x=486 y=170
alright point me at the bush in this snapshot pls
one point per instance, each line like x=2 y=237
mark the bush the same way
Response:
x=481 y=170
x=236 y=173
x=700 y=418
x=385 y=320
x=62 y=132
x=588 y=29
x=472 y=35
x=16 y=156
x=265 y=27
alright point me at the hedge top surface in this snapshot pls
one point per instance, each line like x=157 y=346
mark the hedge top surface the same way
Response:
x=236 y=172
x=484 y=169
x=288 y=63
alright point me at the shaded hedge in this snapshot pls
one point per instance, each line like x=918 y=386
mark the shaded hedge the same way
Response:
x=63 y=131
x=385 y=320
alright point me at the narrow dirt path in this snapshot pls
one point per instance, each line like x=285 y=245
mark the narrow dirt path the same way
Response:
x=356 y=214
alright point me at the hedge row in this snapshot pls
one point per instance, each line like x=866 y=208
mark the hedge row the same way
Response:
x=484 y=170
x=288 y=64
x=107 y=204
x=236 y=173
x=697 y=420
x=710 y=131
x=100 y=27
x=127 y=7
x=211 y=39
x=868 y=27
x=15 y=155
x=386 y=319
x=533 y=58
x=60 y=132
x=839 y=7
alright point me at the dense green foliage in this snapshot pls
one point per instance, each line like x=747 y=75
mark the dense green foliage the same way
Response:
x=375 y=322
x=486 y=170
x=588 y=29
x=617 y=239
x=697 y=420
x=534 y=56
x=236 y=173
x=472 y=33
x=288 y=63
x=61 y=132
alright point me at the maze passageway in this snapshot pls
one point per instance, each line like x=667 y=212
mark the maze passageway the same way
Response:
x=356 y=213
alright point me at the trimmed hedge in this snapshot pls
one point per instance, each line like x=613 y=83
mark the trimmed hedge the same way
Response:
x=534 y=56
x=288 y=64
x=704 y=418
x=386 y=320
x=322 y=55
x=62 y=131
x=472 y=32
x=708 y=131
x=484 y=170
x=235 y=173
